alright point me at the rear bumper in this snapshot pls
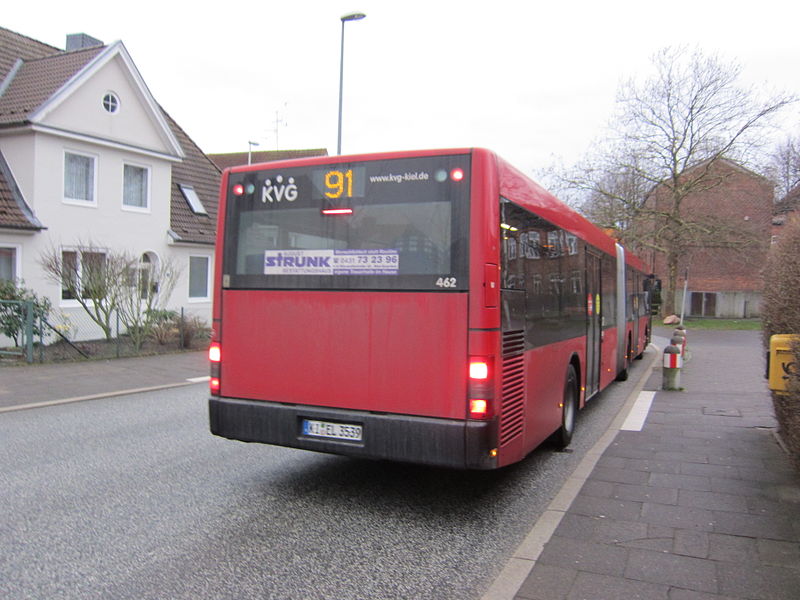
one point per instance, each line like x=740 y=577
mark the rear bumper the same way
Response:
x=424 y=440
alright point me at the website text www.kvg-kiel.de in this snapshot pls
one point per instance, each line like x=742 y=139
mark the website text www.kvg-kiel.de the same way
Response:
x=391 y=178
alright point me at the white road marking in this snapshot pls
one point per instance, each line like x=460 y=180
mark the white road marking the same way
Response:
x=638 y=415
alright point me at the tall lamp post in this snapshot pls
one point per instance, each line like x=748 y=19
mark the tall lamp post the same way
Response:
x=250 y=151
x=345 y=18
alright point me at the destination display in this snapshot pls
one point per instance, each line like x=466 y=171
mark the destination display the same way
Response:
x=339 y=183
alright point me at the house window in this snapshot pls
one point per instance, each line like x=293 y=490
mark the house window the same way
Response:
x=8 y=264
x=192 y=199
x=533 y=245
x=703 y=304
x=79 y=179
x=576 y=277
x=145 y=276
x=537 y=283
x=83 y=275
x=135 y=188
x=554 y=243
x=111 y=102
x=199 y=276
x=572 y=244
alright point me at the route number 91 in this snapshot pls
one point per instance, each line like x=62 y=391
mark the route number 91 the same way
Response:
x=338 y=184
x=446 y=282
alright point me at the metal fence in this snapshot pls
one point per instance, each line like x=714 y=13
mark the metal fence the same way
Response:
x=72 y=334
x=17 y=318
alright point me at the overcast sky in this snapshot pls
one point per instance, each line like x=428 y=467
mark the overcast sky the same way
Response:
x=530 y=80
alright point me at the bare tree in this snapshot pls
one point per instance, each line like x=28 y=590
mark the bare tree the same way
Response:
x=611 y=190
x=109 y=284
x=784 y=167
x=148 y=287
x=665 y=141
x=90 y=275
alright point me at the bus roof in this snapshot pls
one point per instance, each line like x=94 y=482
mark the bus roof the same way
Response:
x=327 y=160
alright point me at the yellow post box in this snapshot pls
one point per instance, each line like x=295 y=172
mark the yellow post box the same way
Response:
x=782 y=363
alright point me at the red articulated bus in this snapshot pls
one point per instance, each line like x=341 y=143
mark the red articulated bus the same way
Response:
x=435 y=307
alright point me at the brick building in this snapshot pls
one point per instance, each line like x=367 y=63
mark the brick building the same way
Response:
x=733 y=210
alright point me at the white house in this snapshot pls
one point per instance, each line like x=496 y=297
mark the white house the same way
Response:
x=88 y=157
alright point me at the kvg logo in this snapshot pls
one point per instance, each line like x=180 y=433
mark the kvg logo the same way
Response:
x=278 y=190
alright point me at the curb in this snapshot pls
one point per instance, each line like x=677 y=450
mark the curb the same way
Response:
x=101 y=395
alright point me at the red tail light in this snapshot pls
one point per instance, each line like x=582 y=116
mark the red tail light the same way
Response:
x=478 y=369
x=215 y=357
x=481 y=387
x=478 y=408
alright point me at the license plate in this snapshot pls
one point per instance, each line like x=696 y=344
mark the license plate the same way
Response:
x=335 y=431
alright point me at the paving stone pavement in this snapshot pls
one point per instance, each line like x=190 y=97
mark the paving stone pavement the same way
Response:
x=25 y=385
x=701 y=504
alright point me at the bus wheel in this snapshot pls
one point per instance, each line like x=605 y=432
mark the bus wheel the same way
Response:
x=569 y=410
x=623 y=375
x=640 y=356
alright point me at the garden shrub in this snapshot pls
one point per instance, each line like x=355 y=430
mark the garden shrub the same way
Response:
x=12 y=316
x=781 y=314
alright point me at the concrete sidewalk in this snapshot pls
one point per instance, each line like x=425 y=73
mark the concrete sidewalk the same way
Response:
x=23 y=385
x=701 y=503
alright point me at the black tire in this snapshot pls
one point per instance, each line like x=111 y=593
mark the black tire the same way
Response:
x=623 y=375
x=640 y=356
x=569 y=410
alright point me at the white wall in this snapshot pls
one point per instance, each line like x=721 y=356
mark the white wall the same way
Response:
x=132 y=124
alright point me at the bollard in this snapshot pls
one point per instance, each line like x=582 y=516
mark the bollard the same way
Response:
x=673 y=363
x=679 y=339
x=685 y=333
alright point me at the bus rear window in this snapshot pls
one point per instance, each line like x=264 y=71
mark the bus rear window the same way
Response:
x=389 y=224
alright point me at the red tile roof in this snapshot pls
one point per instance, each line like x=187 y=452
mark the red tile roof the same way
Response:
x=37 y=80
x=14 y=212
x=197 y=171
x=14 y=46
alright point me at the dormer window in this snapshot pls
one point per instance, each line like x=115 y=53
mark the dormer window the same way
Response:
x=111 y=102
x=192 y=199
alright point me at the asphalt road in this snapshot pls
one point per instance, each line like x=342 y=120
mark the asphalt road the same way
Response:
x=131 y=497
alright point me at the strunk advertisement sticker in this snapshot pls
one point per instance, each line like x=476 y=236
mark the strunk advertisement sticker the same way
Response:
x=331 y=262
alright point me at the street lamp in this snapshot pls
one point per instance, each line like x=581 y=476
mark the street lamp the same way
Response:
x=350 y=17
x=250 y=150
